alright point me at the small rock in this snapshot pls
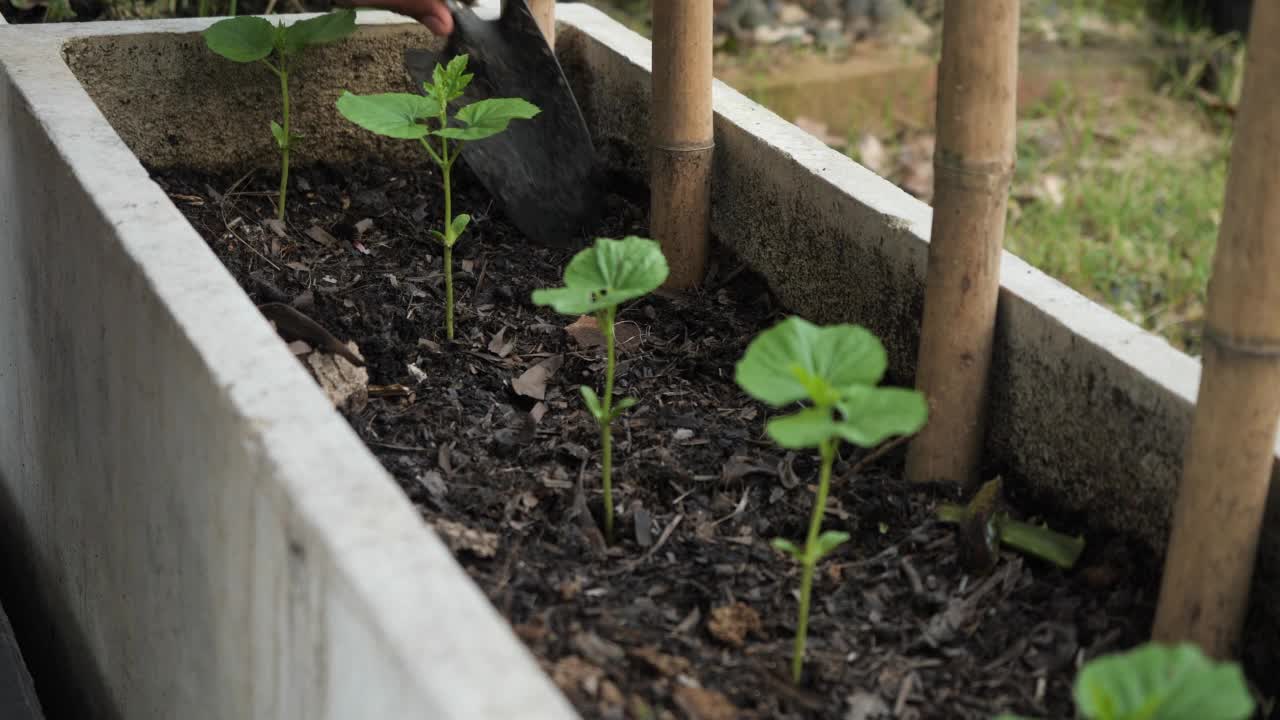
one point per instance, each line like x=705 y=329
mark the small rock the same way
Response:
x=792 y=14
x=867 y=706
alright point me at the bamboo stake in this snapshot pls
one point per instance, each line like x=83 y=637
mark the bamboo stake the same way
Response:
x=544 y=13
x=682 y=137
x=973 y=166
x=1228 y=462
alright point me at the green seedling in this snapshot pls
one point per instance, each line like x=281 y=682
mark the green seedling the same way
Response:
x=253 y=39
x=837 y=370
x=983 y=527
x=598 y=280
x=409 y=116
x=1160 y=682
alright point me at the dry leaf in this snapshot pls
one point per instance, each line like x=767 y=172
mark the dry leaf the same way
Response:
x=277 y=226
x=703 y=704
x=460 y=537
x=731 y=623
x=585 y=331
x=533 y=382
x=539 y=410
x=322 y=236
x=669 y=665
x=573 y=674
x=500 y=346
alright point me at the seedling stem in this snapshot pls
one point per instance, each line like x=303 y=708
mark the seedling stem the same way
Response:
x=606 y=318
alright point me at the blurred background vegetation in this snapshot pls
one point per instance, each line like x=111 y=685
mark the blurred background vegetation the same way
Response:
x=1125 y=118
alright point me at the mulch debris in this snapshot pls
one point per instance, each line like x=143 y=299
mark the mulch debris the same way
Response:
x=690 y=614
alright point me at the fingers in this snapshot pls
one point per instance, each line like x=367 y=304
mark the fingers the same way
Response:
x=431 y=13
x=437 y=18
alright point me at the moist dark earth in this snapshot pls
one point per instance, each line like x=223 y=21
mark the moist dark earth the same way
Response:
x=690 y=613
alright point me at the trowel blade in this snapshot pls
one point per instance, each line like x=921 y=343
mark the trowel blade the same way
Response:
x=543 y=172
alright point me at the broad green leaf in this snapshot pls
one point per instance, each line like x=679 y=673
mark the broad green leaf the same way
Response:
x=606 y=275
x=397 y=115
x=783 y=363
x=242 y=39
x=593 y=402
x=788 y=547
x=805 y=429
x=1164 y=682
x=622 y=406
x=830 y=540
x=282 y=139
x=487 y=118
x=322 y=30
x=460 y=223
x=871 y=414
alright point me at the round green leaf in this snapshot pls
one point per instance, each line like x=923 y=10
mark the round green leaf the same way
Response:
x=806 y=429
x=607 y=275
x=321 y=30
x=488 y=117
x=242 y=39
x=397 y=115
x=796 y=360
x=1165 y=682
x=871 y=414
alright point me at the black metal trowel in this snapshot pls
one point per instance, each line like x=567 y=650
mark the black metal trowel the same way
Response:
x=542 y=172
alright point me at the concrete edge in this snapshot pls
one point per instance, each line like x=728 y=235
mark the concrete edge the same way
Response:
x=18 y=699
x=347 y=510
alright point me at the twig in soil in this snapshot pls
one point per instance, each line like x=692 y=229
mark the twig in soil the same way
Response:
x=397 y=448
x=871 y=457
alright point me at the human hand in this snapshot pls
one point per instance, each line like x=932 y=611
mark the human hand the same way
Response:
x=432 y=13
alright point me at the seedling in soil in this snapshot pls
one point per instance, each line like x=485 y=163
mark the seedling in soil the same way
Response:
x=410 y=116
x=598 y=280
x=982 y=527
x=1160 y=682
x=278 y=47
x=837 y=370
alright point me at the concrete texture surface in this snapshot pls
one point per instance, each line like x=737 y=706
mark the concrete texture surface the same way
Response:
x=176 y=482
x=190 y=528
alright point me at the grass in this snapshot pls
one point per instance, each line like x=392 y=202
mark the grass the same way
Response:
x=1134 y=218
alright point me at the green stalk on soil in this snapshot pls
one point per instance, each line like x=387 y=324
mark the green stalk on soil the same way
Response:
x=598 y=280
x=837 y=369
x=409 y=116
x=253 y=39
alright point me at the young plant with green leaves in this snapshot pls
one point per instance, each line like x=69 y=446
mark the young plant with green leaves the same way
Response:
x=252 y=39
x=409 y=116
x=1160 y=682
x=837 y=371
x=598 y=280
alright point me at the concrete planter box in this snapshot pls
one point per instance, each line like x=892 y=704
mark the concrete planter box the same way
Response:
x=204 y=537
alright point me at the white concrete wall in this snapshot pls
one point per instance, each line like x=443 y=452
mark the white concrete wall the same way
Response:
x=211 y=539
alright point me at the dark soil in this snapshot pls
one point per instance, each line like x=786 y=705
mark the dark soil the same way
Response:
x=691 y=613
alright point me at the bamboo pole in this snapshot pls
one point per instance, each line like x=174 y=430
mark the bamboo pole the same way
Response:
x=682 y=137
x=973 y=166
x=544 y=13
x=1227 y=467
